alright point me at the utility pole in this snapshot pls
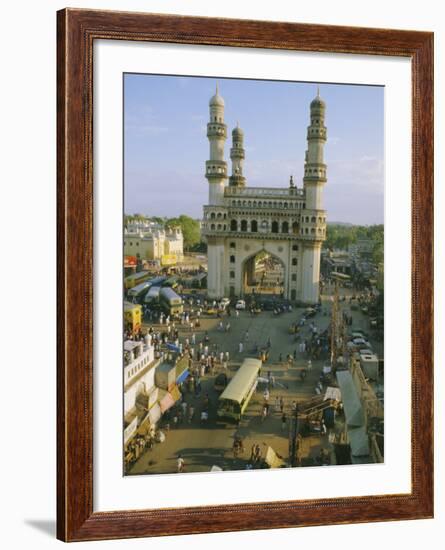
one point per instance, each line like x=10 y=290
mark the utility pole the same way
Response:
x=293 y=446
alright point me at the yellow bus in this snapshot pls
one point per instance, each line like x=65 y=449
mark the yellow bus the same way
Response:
x=136 y=279
x=234 y=400
x=132 y=316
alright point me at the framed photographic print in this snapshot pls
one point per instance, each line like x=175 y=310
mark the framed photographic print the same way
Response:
x=245 y=218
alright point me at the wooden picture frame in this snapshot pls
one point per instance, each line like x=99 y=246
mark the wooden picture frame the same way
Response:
x=77 y=31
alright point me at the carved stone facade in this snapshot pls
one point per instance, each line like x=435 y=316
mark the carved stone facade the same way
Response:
x=240 y=222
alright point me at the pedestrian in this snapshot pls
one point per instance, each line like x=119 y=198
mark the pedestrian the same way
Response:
x=283 y=421
x=241 y=347
x=280 y=358
x=277 y=404
x=246 y=336
x=266 y=395
x=193 y=339
x=180 y=463
x=309 y=365
x=281 y=405
x=264 y=413
x=184 y=407
x=323 y=427
x=227 y=356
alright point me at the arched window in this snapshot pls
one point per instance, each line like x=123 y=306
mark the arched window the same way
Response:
x=294 y=261
x=254 y=226
x=232 y=259
x=285 y=227
x=212 y=227
x=274 y=227
x=219 y=215
x=212 y=216
x=313 y=219
x=219 y=226
x=232 y=245
x=295 y=228
x=243 y=225
x=233 y=225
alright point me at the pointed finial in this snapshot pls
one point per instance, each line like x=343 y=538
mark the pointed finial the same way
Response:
x=318 y=91
x=216 y=87
x=237 y=124
x=291 y=181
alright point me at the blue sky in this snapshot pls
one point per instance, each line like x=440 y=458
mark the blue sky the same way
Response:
x=165 y=143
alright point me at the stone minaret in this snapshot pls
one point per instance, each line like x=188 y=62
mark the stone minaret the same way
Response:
x=237 y=156
x=312 y=217
x=314 y=168
x=216 y=167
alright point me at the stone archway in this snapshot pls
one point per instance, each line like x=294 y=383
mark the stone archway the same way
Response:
x=263 y=273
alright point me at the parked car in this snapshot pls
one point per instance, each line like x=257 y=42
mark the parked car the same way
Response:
x=224 y=303
x=310 y=312
x=240 y=304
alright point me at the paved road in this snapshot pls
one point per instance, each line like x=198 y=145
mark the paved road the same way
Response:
x=203 y=446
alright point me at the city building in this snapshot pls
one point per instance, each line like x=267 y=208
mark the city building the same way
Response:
x=240 y=222
x=139 y=384
x=153 y=242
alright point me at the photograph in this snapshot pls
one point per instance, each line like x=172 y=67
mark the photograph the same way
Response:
x=253 y=274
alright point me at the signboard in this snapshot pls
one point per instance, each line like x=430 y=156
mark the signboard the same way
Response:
x=168 y=259
x=130 y=261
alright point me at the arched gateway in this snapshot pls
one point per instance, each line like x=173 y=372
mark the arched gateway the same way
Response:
x=287 y=225
x=262 y=273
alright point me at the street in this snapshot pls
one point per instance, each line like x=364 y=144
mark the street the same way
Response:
x=203 y=445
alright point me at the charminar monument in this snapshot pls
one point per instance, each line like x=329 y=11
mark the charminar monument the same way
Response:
x=287 y=223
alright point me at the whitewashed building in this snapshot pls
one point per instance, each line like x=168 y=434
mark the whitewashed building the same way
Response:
x=240 y=222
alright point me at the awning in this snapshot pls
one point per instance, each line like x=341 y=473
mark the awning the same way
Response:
x=183 y=376
x=154 y=414
x=351 y=401
x=169 y=399
x=172 y=347
x=359 y=441
x=332 y=393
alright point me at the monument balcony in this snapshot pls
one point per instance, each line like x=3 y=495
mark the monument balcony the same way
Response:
x=260 y=235
x=216 y=168
x=215 y=213
x=266 y=192
x=215 y=129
